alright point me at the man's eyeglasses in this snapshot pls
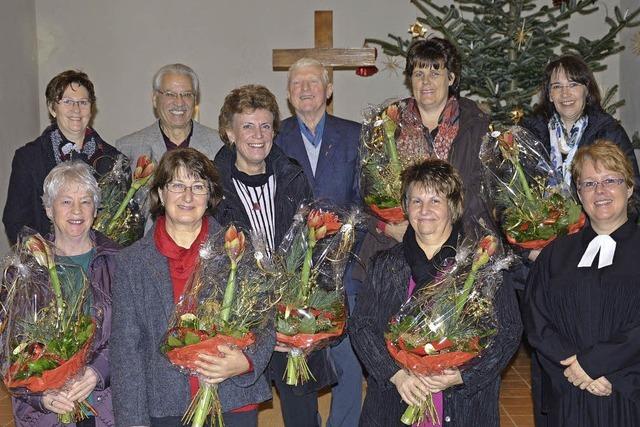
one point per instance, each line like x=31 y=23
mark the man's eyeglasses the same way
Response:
x=197 y=189
x=605 y=183
x=82 y=104
x=187 y=96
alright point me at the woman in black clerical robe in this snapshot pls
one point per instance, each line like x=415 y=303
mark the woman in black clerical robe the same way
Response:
x=582 y=302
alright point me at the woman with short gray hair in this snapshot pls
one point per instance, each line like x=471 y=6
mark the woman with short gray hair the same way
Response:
x=71 y=197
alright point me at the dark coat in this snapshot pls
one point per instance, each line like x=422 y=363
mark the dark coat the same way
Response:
x=28 y=409
x=31 y=164
x=474 y=403
x=601 y=126
x=145 y=383
x=292 y=189
x=336 y=177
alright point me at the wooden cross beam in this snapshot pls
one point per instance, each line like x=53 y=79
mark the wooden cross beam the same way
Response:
x=324 y=51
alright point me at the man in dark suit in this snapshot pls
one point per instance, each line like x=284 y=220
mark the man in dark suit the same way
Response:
x=327 y=148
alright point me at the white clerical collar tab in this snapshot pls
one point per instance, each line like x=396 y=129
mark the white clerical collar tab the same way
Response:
x=603 y=244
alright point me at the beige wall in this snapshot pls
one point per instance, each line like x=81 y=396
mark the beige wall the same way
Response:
x=18 y=86
x=121 y=43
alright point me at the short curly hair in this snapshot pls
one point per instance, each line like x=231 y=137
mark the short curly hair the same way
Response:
x=439 y=176
x=60 y=83
x=247 y=98
x=432 y=52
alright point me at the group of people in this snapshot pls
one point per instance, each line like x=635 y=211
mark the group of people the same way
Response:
x=578 y=314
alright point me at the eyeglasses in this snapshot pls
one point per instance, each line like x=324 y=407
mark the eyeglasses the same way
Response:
x=557 y=87
x=605 y=183
x=82 y=104
x=187 y=96
x=196 y=189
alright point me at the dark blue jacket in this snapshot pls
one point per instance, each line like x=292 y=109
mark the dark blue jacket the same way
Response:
x=336 y=177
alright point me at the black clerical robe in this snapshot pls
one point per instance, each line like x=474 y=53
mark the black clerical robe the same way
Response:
x=594 y=314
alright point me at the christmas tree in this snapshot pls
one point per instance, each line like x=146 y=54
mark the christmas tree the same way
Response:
x=505 y=45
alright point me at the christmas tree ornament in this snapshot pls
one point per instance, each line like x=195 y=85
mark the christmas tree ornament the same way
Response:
x=392 y=65
x=516 y=115
x=417 y=30
x=366 y=71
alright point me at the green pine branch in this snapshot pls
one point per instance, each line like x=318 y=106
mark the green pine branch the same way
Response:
x=501 y=69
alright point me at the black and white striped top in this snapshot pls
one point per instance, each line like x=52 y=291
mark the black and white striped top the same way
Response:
x=257 y=194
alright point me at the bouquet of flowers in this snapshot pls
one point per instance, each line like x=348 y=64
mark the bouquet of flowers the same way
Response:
x=534 y=205
x=309 y=266
x=120 y=217
x=226 y=300
x=392 y=139
x=449 y=321
x=46 y=329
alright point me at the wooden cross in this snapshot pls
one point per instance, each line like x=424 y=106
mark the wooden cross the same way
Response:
x=324 y=51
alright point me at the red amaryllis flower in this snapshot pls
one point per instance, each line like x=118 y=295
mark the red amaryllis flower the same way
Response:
x=143 y=171
x=234 y=244
x=393 y=112
x=323 y=223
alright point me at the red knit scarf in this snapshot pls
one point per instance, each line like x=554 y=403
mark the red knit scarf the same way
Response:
x=182 y=261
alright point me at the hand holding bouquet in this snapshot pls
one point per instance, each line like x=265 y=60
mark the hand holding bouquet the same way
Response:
x=120 y=216
x=46 y=330
x=224 y=303
x=310 y=266
x=534 y=204
x=451 y=320
x=392 y=139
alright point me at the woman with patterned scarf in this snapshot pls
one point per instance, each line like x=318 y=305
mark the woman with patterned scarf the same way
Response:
x=71 y=103
x=436 y=122
x=569 y=116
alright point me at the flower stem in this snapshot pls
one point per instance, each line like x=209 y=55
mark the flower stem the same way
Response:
x=57 y=290
x=121 y=208
x=306 y=266
x=468 y=284
x=523 y=181
x=229 y=291
x=390 y=130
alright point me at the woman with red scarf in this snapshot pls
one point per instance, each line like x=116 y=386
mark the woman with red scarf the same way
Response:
x=150 y=278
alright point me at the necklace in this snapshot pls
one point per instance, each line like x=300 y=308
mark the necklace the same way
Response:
x=256 y=203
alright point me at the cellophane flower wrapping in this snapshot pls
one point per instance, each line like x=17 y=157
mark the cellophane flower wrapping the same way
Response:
x=392 y=139
x=308 y=278
x=47 y=324
x=449 y=322
x=532 y=202
x=121 y=215
x=228 y=300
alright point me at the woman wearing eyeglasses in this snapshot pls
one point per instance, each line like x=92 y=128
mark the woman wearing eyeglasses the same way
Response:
x=569 y=115
x=71 y=103
x=151 y=275
x=581 y=303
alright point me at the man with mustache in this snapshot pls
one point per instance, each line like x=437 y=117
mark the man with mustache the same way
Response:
x=175 y=96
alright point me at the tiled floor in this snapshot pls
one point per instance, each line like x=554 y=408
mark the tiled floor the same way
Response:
x=515 y=399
